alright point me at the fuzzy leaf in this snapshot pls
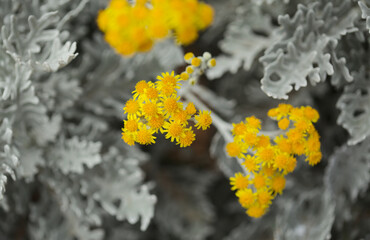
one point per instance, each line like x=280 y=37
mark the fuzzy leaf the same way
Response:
x=291 y=61
x=29 y=160
x=58 y=56
x=348 y=175
x=311 y=218
x=119 y=190
x=355 y=108
x=365 y=10
x=71 y=155
x=242 y=44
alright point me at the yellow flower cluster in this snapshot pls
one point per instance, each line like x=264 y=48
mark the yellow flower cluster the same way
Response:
x=156 y=107
x=133 y=26
x=267 y=160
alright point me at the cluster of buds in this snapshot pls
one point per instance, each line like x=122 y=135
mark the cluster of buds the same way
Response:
x=267 y=160
x=197 y=66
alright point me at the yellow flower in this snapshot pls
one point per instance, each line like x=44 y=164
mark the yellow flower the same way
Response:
x=132 y=107
x=234 y=149
x=156 y=123
x=251 y=164
x=150 y=109
x=284 y=123
x=264 y=197
x=128 y=137
x=314 y=158
x=259 y=181
x=140 y=88
x=256 y=211
x=203 y=120
x=187 y=138
x=239 y=181
x=131 y=125
x=246 y=197
x=239 y=129
x=254 y=124
x=266 y=155
x=188 y=56
x=174 y=130
x=190 y=109
x=196 y=62
x=171 y=105
x=184 y=76
x=281 y=161
x=211 y=62
x=278 y=183
x=145 y=136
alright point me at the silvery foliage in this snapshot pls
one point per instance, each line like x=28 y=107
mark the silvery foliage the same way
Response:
x=302 y=54
x=365 y=10
x=309 y=217
x=53 y=128
x=347 y=177
x=249 y=33
x=191 y=212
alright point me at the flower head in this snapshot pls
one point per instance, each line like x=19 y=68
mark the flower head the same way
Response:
x=157 y=107
x=203 y=120
x=134 y=26
x=266 y=161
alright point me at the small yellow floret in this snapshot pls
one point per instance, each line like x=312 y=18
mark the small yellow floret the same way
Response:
x=170 y=105
x=311 y=114
x=181 y=117
x=284 y=123
x=190 y=109
x=131 y=125
x=266 y=155
x=246 y=197
x=278 y=184
x=186 y=35
x=131 y=107
x=239 y=181
x=150 y=109
x=256 y=211
x=196 y=62
x=268 y=171
x=251 y=164
x=239 y=129
x=174 y=130
x=253 y=122
x=211 y=62
x=151 y=93
x=264 y=197
x=263 y=141
x=259 y=181
x=314 y=158
x=156 y=122
x=187 y=138
x=145 y=136
x=188 y=56
x=189 y=69
x=281 y=161
x=184 y=76
x=168 y=78
x=140 y=88
x=203 y=120
x=233 y=149
x=128 y=138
